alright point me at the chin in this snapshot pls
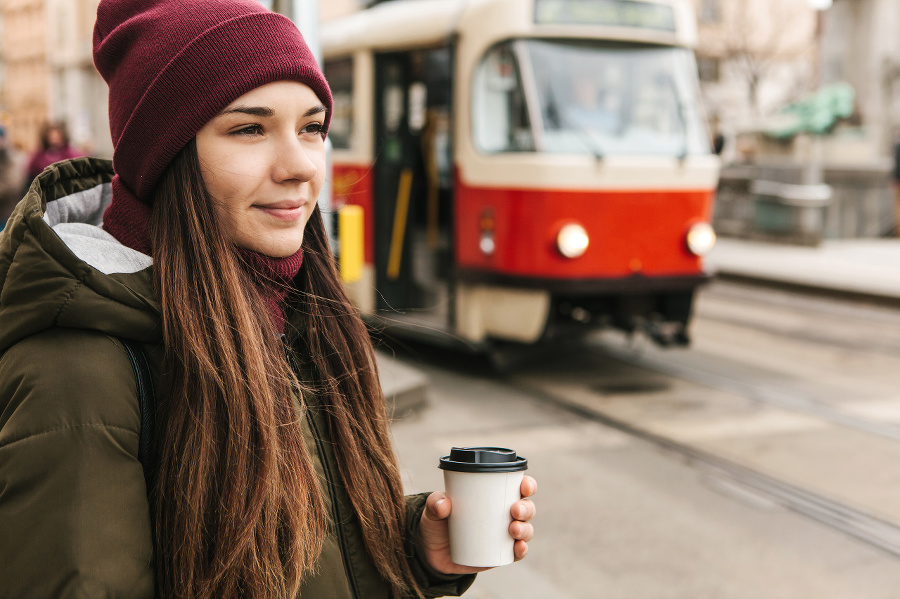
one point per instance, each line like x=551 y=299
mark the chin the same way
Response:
x=275 y=244
x=280 y=250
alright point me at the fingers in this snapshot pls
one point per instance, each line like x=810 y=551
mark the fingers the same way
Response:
x=521 y=531
x=437 y=506
x=520 y=550
x=528 y=486
x=523 y=510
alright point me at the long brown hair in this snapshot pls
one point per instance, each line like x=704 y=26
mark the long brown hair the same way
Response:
x=236 y=507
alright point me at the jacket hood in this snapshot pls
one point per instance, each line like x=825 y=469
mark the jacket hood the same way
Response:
x=59 y=268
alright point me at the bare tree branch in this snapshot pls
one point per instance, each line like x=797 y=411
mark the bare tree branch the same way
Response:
x=759 y=34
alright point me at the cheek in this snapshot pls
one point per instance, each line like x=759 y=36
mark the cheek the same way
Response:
x=231 y=178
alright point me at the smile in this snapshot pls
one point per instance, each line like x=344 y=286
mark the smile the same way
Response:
x=286 y=211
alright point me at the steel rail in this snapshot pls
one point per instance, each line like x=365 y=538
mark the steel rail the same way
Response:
x=794 y=401
x=866 y=527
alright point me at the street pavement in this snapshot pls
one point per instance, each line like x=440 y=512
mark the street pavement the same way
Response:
x=864 y=269
x=404 y=387
x=621 y=518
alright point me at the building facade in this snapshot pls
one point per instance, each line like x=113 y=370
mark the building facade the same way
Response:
x=48 y=73
x=860 y=46
x=77 y=93
x=26 y=76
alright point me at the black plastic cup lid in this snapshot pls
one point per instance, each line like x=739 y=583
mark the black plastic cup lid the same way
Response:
x=483 y=459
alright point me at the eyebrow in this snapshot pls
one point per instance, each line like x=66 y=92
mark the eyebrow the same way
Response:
x=262 y=111
x=315 y=110
x=251 y=110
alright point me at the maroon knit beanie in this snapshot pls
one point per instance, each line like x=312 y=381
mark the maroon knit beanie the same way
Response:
x=172 y=65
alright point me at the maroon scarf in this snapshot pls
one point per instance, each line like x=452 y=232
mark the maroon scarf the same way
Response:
x=128 y=220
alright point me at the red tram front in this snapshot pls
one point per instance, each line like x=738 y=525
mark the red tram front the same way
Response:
x=526 y=169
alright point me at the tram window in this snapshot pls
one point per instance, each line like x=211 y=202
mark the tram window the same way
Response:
x=499 y=114
x=418 y=94
x=623 y=99
x=339 y=74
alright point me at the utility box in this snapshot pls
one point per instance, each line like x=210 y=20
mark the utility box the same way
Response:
x=790 y=211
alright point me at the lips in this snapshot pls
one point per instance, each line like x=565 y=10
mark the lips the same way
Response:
x=284 y=205
x=289 y=210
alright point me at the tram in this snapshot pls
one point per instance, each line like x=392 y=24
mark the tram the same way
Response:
x=526 y=170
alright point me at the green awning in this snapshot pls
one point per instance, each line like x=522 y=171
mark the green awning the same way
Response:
x=815 y=114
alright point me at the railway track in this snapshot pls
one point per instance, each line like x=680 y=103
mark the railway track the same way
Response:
x=710 y=385
x=665 y=397
x=867 y=527
x=809 y=399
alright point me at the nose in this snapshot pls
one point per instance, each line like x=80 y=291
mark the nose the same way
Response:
x=293 y=162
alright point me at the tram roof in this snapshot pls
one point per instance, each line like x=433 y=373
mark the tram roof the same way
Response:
x=419 y=23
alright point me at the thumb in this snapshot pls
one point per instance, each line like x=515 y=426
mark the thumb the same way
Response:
x=437 y=506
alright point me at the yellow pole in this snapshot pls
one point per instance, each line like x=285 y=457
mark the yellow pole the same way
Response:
x=400 y=212
x=350 y=233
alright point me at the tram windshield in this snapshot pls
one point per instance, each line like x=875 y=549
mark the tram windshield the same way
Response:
x=579 y=97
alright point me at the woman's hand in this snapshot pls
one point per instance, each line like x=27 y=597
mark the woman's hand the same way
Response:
x=435 y=533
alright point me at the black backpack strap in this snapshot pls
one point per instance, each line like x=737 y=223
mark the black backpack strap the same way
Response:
x=146 y=401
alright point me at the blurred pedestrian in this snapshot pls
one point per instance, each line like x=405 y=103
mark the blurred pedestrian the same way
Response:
x=54 y=147
x=718 y=143
x=10 y=180
x=272 y=470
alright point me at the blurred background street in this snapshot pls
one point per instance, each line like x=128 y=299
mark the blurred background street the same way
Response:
x=652 y=245
x=761 y=463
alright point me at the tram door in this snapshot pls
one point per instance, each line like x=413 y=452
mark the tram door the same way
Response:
x=412 y=180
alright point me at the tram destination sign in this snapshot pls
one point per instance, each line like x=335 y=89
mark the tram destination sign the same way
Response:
x=614 y=13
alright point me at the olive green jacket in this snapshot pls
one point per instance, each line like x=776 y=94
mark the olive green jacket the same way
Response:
x=74 y=515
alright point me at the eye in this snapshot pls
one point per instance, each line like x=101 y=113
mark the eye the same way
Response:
x=247 y=130
x=314 y=128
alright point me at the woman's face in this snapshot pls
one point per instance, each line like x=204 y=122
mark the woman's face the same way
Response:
x=263 y=161
x=55 y=138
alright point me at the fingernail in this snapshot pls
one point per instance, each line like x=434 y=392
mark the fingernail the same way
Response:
x=437 y=504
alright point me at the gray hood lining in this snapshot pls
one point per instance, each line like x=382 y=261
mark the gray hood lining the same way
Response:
x=78 y=218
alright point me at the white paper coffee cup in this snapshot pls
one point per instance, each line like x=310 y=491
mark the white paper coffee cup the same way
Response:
x=482 y=483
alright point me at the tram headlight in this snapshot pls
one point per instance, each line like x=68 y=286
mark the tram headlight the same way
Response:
x=486 y=243
x=487 y=224
x=572 y=240
x=701 y=238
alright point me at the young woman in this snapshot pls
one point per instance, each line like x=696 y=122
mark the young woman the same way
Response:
x=273 y=473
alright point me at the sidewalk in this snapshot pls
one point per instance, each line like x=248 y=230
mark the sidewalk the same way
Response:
x=863 y=268
x=404 y=387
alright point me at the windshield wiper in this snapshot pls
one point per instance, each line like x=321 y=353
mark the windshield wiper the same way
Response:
x=682 y=117
x=553 y=118
x=590 y=143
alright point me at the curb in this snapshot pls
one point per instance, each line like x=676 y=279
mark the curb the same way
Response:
x=807 y=288
x=405 y=388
